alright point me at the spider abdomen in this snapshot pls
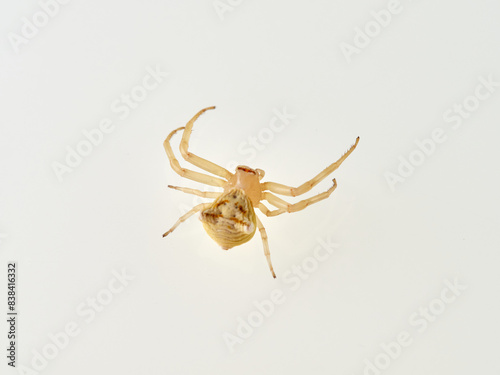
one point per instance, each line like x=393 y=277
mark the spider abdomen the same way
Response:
x=230 y=220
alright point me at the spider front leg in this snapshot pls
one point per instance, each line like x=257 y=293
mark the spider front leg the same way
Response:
x=267 y=253
x=204 y=194
x=284 y=206
x=306 y=186
x=187 y=215
x=192 y=175
x=196 y=160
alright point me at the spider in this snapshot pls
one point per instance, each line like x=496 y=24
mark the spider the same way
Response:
x=230 y=219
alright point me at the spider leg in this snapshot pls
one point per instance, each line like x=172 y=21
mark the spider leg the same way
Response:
x=192 y=175
x=306 y=186
x=263 y=234
x=204 y=194
x=196 y=160
x=188 y=214
x=266 y=211
x=284 y=206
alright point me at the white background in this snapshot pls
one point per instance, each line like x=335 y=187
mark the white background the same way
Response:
x=396 y=247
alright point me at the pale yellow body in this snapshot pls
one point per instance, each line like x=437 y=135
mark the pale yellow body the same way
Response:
x=230 y=219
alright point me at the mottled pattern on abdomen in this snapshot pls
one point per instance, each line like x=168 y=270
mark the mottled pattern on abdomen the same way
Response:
x=230 y=220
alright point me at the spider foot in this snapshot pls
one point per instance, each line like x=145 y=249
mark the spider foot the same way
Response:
x=167 y=232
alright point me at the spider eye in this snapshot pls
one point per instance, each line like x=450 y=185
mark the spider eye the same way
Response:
x=246 y=169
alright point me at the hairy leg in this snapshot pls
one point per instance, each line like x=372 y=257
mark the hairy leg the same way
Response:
x=306 y=186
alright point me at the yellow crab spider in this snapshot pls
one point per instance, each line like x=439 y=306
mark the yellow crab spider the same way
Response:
x=230 y=219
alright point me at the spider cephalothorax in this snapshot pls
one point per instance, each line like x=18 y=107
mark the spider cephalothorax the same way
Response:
x=230 y=219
